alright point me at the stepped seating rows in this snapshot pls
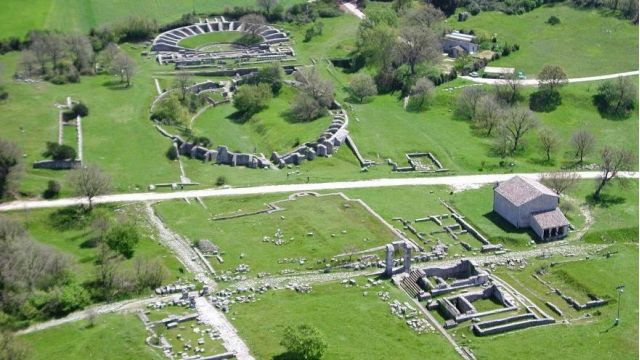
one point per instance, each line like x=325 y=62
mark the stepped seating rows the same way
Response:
x=168 y=40
x=410 y=283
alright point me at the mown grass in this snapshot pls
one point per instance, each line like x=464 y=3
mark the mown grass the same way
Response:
x=354 y=326
x=272 y=129
x=195 y=42
x=336 y=226
x=585 y=43
x=80 y=15
x=114 y=337
x=595 y=335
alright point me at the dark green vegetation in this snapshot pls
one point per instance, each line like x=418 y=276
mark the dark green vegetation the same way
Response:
x=116 y=337
x=76 y=266
x=315 y=229
x=349 y=322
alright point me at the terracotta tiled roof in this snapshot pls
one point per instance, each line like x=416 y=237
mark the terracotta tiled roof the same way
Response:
x=520 y=190
x=550 y=219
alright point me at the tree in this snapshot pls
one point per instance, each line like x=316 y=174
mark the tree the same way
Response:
x=305 y=108
x=170 y=111
x=401 y=6
x=271 y=74
x=122 y=238
x=314 y=85
x=612 y=161
x=304 y=342
x=56 y=48
x=426 y=16
x=39 y=49
x=11 y=348
x=106 y=267
x=149 y=273
x=518 y=122
x=544 y=100
x=108 y=55
x=552 y=77
x=468 y=100
x=582 y=142
x=182 y=82
x=81 y=52
x=29 y=65
x=89 y=181
x=489 y=114
x=375 y=43
x=548 y=141
x=553 y=20
x=267 y=5
x=421 y=94
x=415 y=45
x=362 y=86
x=508 y=91
x=249 y=99
x=80 y=109
x=124 y=66
x=10 y=168
x=60 y=152
x=616 y=97
x=53 y=189
x=253 y=19
x=561 y=181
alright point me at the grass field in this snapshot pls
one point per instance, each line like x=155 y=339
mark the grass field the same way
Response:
x=195 y=42
x=585 y=43
x=336 y=225
x=81 y=15
x=50 y=227
x=269 y=130
x=354 y=326
x=596 y=334
x=114 y=337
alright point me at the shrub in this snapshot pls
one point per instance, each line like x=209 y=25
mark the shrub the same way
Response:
x=249 y=99
x=80 y=109
x=172 y=153
x=4 y=94
x=553 y=20
x=53 y=189
x=304 y=342
x=60 y=151
x=123 y=239
x=544 y=100
x=221 y=180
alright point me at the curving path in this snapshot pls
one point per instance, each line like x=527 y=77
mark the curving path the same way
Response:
x=455 y=181
x=534 y=82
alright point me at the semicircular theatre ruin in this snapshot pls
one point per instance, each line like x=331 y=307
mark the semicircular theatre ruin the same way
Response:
x=270 y=48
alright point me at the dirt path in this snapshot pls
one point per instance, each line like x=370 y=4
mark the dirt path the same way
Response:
x=179 y=247
x=122 y=306
x=232 y=342
x=534 y=82
x=455 y=181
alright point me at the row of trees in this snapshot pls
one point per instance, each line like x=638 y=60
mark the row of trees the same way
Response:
x=63 y=58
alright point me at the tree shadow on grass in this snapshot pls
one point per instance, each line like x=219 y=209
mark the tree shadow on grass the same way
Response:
x=605 y=200
x=286 y=356
x=238 y=118
x=115 y=85
x=73 y=217
x=603 y=109
x=506 y=227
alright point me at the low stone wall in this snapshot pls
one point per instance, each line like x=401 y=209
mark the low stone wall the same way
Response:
x=484 y=331
x=57 y=164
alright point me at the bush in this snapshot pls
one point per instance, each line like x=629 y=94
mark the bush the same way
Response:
x=304 y=342
x=4 y=95
x=123 y=239
x=249 y=99
x=53 y=189
x=221 y=180
x=60 y=152
x=544 y=100
x=80 y=109
x=553 y=20
x=172 y=153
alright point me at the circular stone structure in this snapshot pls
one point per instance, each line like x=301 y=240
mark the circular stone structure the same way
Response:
x=168 y=40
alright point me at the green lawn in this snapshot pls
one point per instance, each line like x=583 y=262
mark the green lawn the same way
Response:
x=81 y=15
x=354 y=326
x=48 y=227
x=585 y=43
x=325 y=217
x=596 y=335
x=269 y=130
x=114 y=337
x=195 y=42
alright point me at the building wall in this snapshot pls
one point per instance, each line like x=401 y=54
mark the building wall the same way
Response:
x=539 y=204
x=505 y=209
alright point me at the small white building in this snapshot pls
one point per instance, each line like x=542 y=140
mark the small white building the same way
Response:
x=459 y=40
x=526 y=203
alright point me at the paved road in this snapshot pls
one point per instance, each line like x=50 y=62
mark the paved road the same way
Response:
x=456 y=181
x=534 y=82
